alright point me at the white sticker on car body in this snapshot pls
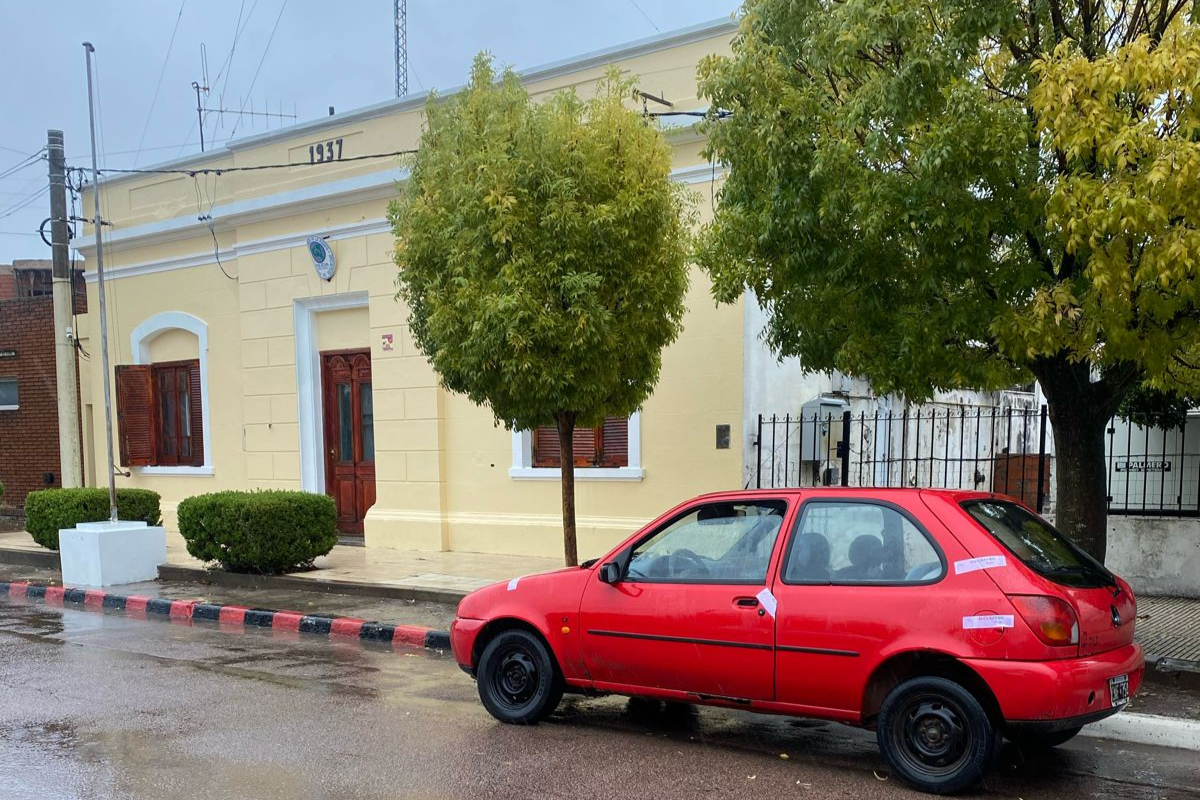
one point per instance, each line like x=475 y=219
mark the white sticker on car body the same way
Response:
x=512 y=585
x=988 y=621
x=983 y=562
x=768 y=601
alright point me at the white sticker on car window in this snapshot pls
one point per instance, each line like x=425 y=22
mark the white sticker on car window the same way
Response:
x=983 y=562
x=769 y=603
x=513 y=584
x=988 y=621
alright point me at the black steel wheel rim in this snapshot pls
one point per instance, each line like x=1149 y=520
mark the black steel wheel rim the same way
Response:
x=931 y=735
x=516 y=677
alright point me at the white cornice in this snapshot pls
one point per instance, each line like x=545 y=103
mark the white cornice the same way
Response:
x=249 y=248
x=225 y=216
x=287 y=204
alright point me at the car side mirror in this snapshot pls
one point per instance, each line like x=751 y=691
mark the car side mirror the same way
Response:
x=611 y=572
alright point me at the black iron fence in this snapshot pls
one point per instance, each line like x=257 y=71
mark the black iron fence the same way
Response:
x=1152 y=470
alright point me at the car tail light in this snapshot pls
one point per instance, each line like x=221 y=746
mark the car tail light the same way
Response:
x=1051 y=619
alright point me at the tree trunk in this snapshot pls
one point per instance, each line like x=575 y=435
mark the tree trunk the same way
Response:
x=566 y=442
x=1079 y=411
x=1081 y=507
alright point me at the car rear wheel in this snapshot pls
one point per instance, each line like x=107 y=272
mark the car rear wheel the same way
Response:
x=935 y=734
x=1042 y=741
x=518 y=680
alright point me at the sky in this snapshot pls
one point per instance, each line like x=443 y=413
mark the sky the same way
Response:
x=294 y=56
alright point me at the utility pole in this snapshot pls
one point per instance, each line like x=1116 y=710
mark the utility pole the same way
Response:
x=64 y=308
x=97 y=222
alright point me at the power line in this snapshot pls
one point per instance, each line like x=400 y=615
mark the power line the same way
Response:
x=239 y=28
x=644 y=14
x=23 y=203
x=20 y=152
x=158 y=85
x=28 y=162
x=254 y=80
x=253 y=168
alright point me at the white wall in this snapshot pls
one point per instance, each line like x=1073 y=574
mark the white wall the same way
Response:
x=781 y=387
x=1157 y=555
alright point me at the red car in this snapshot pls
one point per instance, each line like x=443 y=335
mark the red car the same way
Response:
x=943 y=620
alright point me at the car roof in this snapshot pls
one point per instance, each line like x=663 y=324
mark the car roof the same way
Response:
x=879 y=492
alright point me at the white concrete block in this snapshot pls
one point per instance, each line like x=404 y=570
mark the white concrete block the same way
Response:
x=108 y=554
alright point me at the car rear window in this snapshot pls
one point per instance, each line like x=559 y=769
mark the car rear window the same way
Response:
x=1038 y=544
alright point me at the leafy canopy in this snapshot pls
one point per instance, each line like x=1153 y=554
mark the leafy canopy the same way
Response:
x=542 y=248
x=949 y=193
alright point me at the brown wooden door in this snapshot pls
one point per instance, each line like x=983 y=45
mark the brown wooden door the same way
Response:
x=349 y=435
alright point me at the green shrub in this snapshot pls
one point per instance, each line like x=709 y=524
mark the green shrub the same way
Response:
x=264 y=532
x=50 y=510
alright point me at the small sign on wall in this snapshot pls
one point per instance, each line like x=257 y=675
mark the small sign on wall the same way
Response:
x=388 y=342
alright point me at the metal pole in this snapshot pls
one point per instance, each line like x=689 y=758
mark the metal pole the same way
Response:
x=199 y=112
x=96 y=222
x=844 y=448
x=63 y=287
x=1041 y=493
x=758 y=455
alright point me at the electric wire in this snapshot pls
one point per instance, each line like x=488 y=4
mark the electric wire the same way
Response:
x=158 y=85
x=227 y=67
x=644 y=14
x=24 y=203
x=254 y=80
x=26 y=163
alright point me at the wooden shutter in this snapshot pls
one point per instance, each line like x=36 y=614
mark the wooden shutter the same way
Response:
x=585 y=447
x=197 y=413
x=614 y=448
x=605 y=446
x=135 y=415
x=546 y=452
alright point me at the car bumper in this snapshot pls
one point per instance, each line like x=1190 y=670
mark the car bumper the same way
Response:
x=463 y=633
x=1056 y=695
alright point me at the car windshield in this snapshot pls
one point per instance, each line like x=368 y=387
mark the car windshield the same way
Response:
x=1038 y=544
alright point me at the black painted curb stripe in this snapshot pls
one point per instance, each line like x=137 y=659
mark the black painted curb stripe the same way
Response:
x=380 y=632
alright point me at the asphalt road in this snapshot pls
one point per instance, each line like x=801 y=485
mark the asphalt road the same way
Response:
x=100 y=706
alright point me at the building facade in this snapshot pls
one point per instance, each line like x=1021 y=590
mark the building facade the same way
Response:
x=29 y=455
x=239 y=365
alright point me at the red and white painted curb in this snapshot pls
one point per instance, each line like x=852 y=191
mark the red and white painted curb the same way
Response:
x=231 y=615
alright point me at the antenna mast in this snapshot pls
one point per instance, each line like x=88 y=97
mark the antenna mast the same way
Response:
x=401 y=48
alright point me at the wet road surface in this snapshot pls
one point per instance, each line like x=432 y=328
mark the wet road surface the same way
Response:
x=100 y=706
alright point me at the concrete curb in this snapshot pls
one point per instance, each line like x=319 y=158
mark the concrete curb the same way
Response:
x=1148 y=729
x=236 y=580
x=22 y=557
x=140 y=607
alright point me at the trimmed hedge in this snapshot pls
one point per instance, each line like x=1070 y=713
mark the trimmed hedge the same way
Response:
x=265 y=532
x=49 y=510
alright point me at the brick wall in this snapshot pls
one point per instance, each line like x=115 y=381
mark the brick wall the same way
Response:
x=29 y=435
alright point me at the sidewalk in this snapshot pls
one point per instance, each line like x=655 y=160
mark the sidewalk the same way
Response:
x=427 y=576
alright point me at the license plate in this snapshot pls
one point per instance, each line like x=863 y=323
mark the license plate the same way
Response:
x=1118 y=690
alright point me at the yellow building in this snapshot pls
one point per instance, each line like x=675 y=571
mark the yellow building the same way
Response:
x=241 y=367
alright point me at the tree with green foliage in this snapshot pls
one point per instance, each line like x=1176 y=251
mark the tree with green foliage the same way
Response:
x=939 y=194
x=542 y=249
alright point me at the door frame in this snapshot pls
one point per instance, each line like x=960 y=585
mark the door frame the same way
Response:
x=309 y=397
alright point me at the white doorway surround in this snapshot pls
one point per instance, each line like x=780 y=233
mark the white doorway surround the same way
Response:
x=308 y=382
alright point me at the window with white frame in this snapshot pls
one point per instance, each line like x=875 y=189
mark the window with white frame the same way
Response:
x=611 y=451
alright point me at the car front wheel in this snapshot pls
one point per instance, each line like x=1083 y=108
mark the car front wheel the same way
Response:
x=518 y=681
x=934 y=734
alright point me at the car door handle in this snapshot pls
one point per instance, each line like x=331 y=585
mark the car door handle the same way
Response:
x=747 y=602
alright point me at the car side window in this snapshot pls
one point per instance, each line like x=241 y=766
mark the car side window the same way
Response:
x=856 y=542
x=712 y=543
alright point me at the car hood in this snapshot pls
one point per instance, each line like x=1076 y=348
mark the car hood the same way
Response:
x=479 y=603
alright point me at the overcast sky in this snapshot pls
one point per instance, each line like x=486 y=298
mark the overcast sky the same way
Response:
x=321 y=53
